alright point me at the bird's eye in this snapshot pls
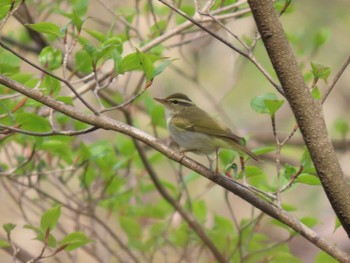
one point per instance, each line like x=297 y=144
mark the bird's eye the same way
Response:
x=175 y=102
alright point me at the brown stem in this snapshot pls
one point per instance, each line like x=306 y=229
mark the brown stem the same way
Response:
x=307 y=111
x=191 y=221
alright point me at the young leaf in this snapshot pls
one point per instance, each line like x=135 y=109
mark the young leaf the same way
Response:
x=8 y=227
x=323 y=257
x=267 y=103
x=53 y=86
x=80 y=7
x=309 y=179
x=289 y=171
x=4 y=244
x=131 y=227
x=200 y=210
x=273 y=105
x=159 y=69
x=321 y=37
x=146 y=64
x=77 y=21
x=83 y=61
x=33 y=122
x=9 y=63
x=66 y=100
x=337 y=224
x=341 y=126
x=320 y=71
x=309 y=221
x=316 y=94
x=96 y=34
x=46 y=28
x=263 y=150
x=74 y=240
x=50 y=57
x=50 y=217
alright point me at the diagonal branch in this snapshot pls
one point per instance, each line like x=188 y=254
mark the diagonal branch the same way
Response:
x=231 y=185
x=191 y=221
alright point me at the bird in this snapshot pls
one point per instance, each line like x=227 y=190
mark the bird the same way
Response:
x=195 y=130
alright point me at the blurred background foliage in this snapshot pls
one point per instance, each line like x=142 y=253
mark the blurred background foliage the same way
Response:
x=105 y=195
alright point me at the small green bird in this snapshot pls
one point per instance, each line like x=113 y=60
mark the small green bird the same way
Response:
x=196 y=131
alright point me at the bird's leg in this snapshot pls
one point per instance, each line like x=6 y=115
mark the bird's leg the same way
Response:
x=217 y=160
x=210 y=162
x=241 y=159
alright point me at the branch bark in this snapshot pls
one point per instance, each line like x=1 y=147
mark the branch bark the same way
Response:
x=231 y=185
x=307 y=110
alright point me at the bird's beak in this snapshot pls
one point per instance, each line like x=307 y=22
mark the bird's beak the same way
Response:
x=160 y=100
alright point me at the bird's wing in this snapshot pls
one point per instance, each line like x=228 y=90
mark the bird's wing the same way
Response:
x=207 y=125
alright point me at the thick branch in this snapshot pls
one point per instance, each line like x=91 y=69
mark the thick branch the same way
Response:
x=231 y=185
x=307 y=111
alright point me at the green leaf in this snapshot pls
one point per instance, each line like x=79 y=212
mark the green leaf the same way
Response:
x=83 y=62
x=4 y=244
x=46 y=28
x=132 y=62
x=342 y=127
x=32 y=122
x=320 y=71
x=80 y=7
x=179 y=236
x=273 y=105
x=267 y=103
x=146 y=64
x=159 y=69
x=200 y=210
x=309 y=179
x=50 y=218
x=75 y=240
x=158 y=28
x=264 y=149
x=316 y=94
x=53 y=85
x=116 y=41
x=9 y=63
x=66 y=100
x=309 y=221
x=337 y=224
x=131 y=227
x=188 y=9
x=289 y=171
x=96 y=34
x=106 y=53
x=41 y=235
x=77 y=21
x=58 y=145
x=253 y=171
x=321 y=37
x=50 y=57
x=8 y=227
x=4 y=8
x=289 y=207
x=323 y=257
x=223 y=224
x=306 y=161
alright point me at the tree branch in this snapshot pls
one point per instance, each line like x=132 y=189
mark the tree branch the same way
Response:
x=191 y=221
x=231 y=185
x=307 y=111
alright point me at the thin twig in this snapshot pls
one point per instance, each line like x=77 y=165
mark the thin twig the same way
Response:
x=336 y=78
x=52 y=75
